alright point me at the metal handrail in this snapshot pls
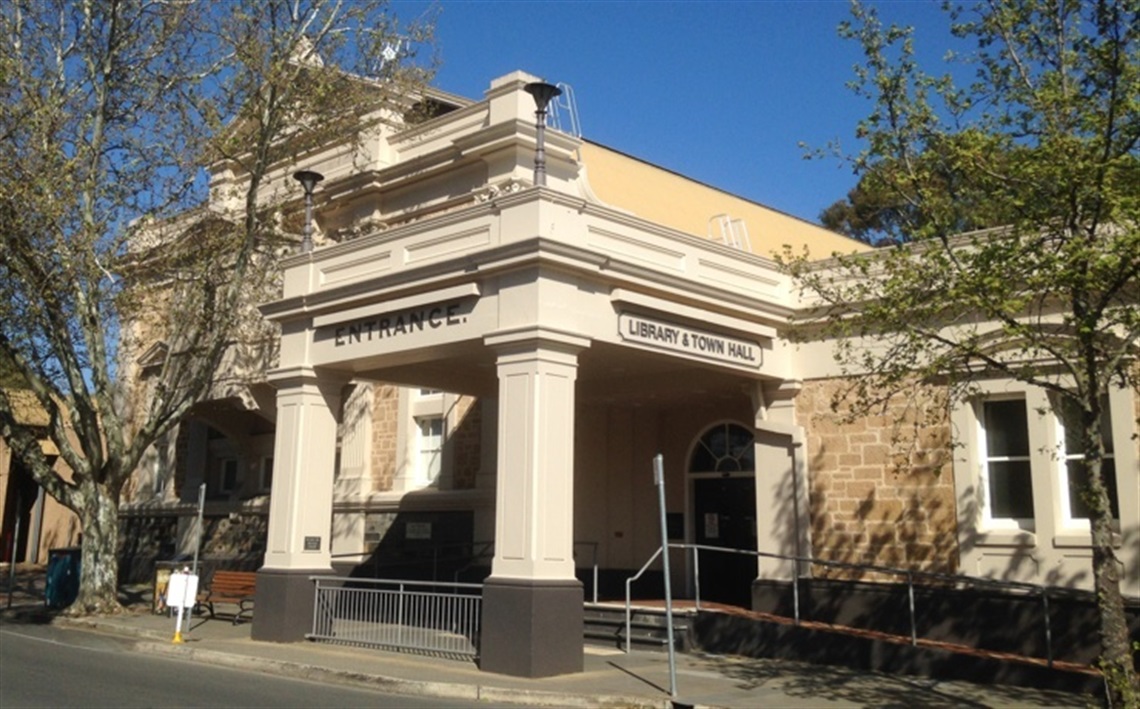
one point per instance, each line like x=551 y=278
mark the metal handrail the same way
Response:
x=486 y=549
x=910 y=574
x=628 y=604
x=393 y=582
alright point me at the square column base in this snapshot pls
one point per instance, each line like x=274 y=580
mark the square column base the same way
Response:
x=531 y=628
x=283 y=604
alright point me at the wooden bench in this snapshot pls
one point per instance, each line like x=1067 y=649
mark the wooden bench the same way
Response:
x=230 y=587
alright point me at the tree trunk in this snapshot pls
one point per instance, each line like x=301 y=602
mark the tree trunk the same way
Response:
x=99 y=569
x=1116 y=653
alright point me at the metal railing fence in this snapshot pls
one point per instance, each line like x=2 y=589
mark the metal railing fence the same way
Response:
x=909 y=574
x=437 y=618
x=467 y=557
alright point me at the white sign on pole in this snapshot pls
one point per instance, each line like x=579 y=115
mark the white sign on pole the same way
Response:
x=181 y=593
x=182 y=590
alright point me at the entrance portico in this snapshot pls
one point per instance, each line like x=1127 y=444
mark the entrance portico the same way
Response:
x=602 y=338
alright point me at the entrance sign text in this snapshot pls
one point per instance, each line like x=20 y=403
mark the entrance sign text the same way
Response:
x=390 y=325
x=688 y=340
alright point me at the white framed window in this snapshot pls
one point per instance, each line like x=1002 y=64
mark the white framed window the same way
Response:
x=990 y=480
x=1004 y=454
x=228 y=478
x=265 y=479
x=1073 y=476
x=423 y=446
x=429 y=447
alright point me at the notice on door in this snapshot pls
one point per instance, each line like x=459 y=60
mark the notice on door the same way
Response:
x=712 y=525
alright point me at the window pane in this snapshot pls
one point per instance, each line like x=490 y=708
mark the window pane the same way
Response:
x=739 y=441
x=717 y=441
x=728 y=465
x=1078 y=481
x=748 y=456
x=430 y=447
x=1011 y=489
x=1007 y=428
x=229 y=475
x=1071 y=421
x=726 y=448
x=702 y=461
x=1106 y=426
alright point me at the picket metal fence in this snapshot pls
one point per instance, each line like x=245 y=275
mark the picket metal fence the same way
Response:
x=428 y=617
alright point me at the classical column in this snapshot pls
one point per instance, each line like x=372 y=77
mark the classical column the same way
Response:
x=300 y=508
x=532 y=602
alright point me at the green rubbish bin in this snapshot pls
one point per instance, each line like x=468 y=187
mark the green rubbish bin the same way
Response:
x=62 y=584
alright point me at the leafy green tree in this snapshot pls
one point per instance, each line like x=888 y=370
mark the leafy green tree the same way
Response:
x=1044 y=143
x=9 y=376
x=875 y=211
x=108 y=111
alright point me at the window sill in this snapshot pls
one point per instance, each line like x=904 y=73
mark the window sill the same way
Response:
x=1081 y=539
x=1006 y=538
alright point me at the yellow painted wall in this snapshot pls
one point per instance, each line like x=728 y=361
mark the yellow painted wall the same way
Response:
x=665 y=197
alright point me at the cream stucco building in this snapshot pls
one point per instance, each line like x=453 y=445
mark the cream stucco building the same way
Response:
x=467 y=357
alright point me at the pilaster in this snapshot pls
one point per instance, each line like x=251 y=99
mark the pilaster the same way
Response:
x=782 y=513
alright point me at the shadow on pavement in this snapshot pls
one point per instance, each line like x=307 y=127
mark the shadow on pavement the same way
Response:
x=876 y=689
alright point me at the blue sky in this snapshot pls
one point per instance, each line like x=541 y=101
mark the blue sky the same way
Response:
x=723 y=92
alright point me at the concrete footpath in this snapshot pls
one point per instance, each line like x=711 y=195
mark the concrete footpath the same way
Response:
x=611 y=678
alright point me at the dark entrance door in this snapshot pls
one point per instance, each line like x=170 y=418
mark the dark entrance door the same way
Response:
x=725 y=516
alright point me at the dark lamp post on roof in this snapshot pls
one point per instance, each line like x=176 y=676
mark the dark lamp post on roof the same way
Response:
x=542 y=93
x=308 y=180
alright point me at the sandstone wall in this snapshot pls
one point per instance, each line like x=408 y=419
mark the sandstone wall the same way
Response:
x=881 y=486
x=467 y=441
x=385 y=430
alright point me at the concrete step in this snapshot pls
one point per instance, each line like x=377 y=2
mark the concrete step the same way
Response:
x=605 y=625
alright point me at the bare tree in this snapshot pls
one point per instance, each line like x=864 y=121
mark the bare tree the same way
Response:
x=109 y=111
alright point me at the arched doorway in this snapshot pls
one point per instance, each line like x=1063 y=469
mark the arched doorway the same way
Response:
x=722 y=473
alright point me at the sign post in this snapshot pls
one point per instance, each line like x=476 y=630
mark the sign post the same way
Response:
x=659 y=481
x=197 y=546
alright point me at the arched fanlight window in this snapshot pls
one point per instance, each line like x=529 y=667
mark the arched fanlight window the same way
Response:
x=724 y=448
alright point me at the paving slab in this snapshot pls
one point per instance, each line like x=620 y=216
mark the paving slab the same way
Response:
x=611 y=678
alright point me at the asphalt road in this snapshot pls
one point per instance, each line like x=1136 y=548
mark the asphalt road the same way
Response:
x=44 y=666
